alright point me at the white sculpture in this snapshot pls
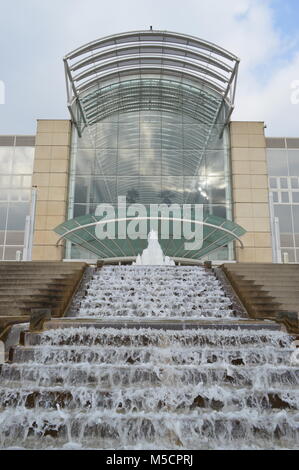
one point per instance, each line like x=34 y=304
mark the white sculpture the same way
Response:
x=153 y=254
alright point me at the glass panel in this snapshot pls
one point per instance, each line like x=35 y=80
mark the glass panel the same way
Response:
x=215 y=162
x=14 y=238
x=6 y=156
x=128 y=135
x=288 y=256
x=1 y=252
x=5 y=181
x=27 y=181
x=284 y=214
x=16 y=181
x=85 y=161
x=297 y=239
x=150 y=136
x=286 y=239
x=105 y=162
x=273 y=183
x=294 y=183
x=284 y=197
x=10 y=252
x=172 y=162
x=277 y=162
x=16 y=216
x=23 y=160
x=283 y=183
x=103 y=189
x=275 y=196
x=2 y=235
x=80 y=209
x=82 y=189
x=172 y=190
x=4 y=194
x=296 y=218
x=128 y=162
x=297 y=256
x=295 y=197
x=293 y=162
x=216 y=190
x=3 y=216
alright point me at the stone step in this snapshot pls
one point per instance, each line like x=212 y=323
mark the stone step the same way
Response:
x=105 y=429
x=147 y=400
x=122 y=355
x=36 y=282
x=66 y=332
x=30 y=290
x=113 y=376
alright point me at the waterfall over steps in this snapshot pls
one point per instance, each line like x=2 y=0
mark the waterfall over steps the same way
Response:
x=210 y=381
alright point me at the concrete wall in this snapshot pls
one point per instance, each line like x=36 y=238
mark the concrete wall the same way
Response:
x=250 y=190
x=50 y=175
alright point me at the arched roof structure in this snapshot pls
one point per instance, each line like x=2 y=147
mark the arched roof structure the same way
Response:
x=148 y=70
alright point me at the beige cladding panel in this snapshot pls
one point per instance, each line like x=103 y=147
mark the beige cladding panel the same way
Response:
x=250 y=190
x=51 y=171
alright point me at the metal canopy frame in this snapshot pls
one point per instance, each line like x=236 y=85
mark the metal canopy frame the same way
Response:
x=160 y=57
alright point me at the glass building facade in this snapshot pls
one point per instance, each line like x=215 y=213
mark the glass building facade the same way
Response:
x=283 y=171
x=151 y=113
x=16 y=167
x=150 y=157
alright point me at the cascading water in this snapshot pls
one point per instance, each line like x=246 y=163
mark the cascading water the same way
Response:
x=188 y=375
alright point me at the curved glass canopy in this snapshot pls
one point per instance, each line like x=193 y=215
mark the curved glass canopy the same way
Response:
x=149 y=70
x=216 y=232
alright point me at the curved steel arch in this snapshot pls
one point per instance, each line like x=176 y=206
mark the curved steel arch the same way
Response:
x=158 y=59
x=157 y=53
x=151 y=36
x=134 y=49
x=145 y=70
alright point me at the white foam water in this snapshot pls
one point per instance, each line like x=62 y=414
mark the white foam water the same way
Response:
x=118 y=387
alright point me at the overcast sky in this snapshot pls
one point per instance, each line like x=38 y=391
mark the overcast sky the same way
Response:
x=36 y=34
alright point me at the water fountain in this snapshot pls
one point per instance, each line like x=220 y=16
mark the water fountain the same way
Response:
x=153 y=254
x=154 y=359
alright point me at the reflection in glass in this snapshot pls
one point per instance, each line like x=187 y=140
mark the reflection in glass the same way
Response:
x=151 y=157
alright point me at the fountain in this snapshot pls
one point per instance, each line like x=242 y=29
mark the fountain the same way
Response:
x=155 y=358
x=153 y=254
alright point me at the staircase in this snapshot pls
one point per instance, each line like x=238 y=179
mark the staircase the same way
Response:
x=154 y=359
x=28 y=285
x=267 y=290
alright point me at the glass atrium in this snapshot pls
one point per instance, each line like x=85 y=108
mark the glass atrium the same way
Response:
x=150 y=111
